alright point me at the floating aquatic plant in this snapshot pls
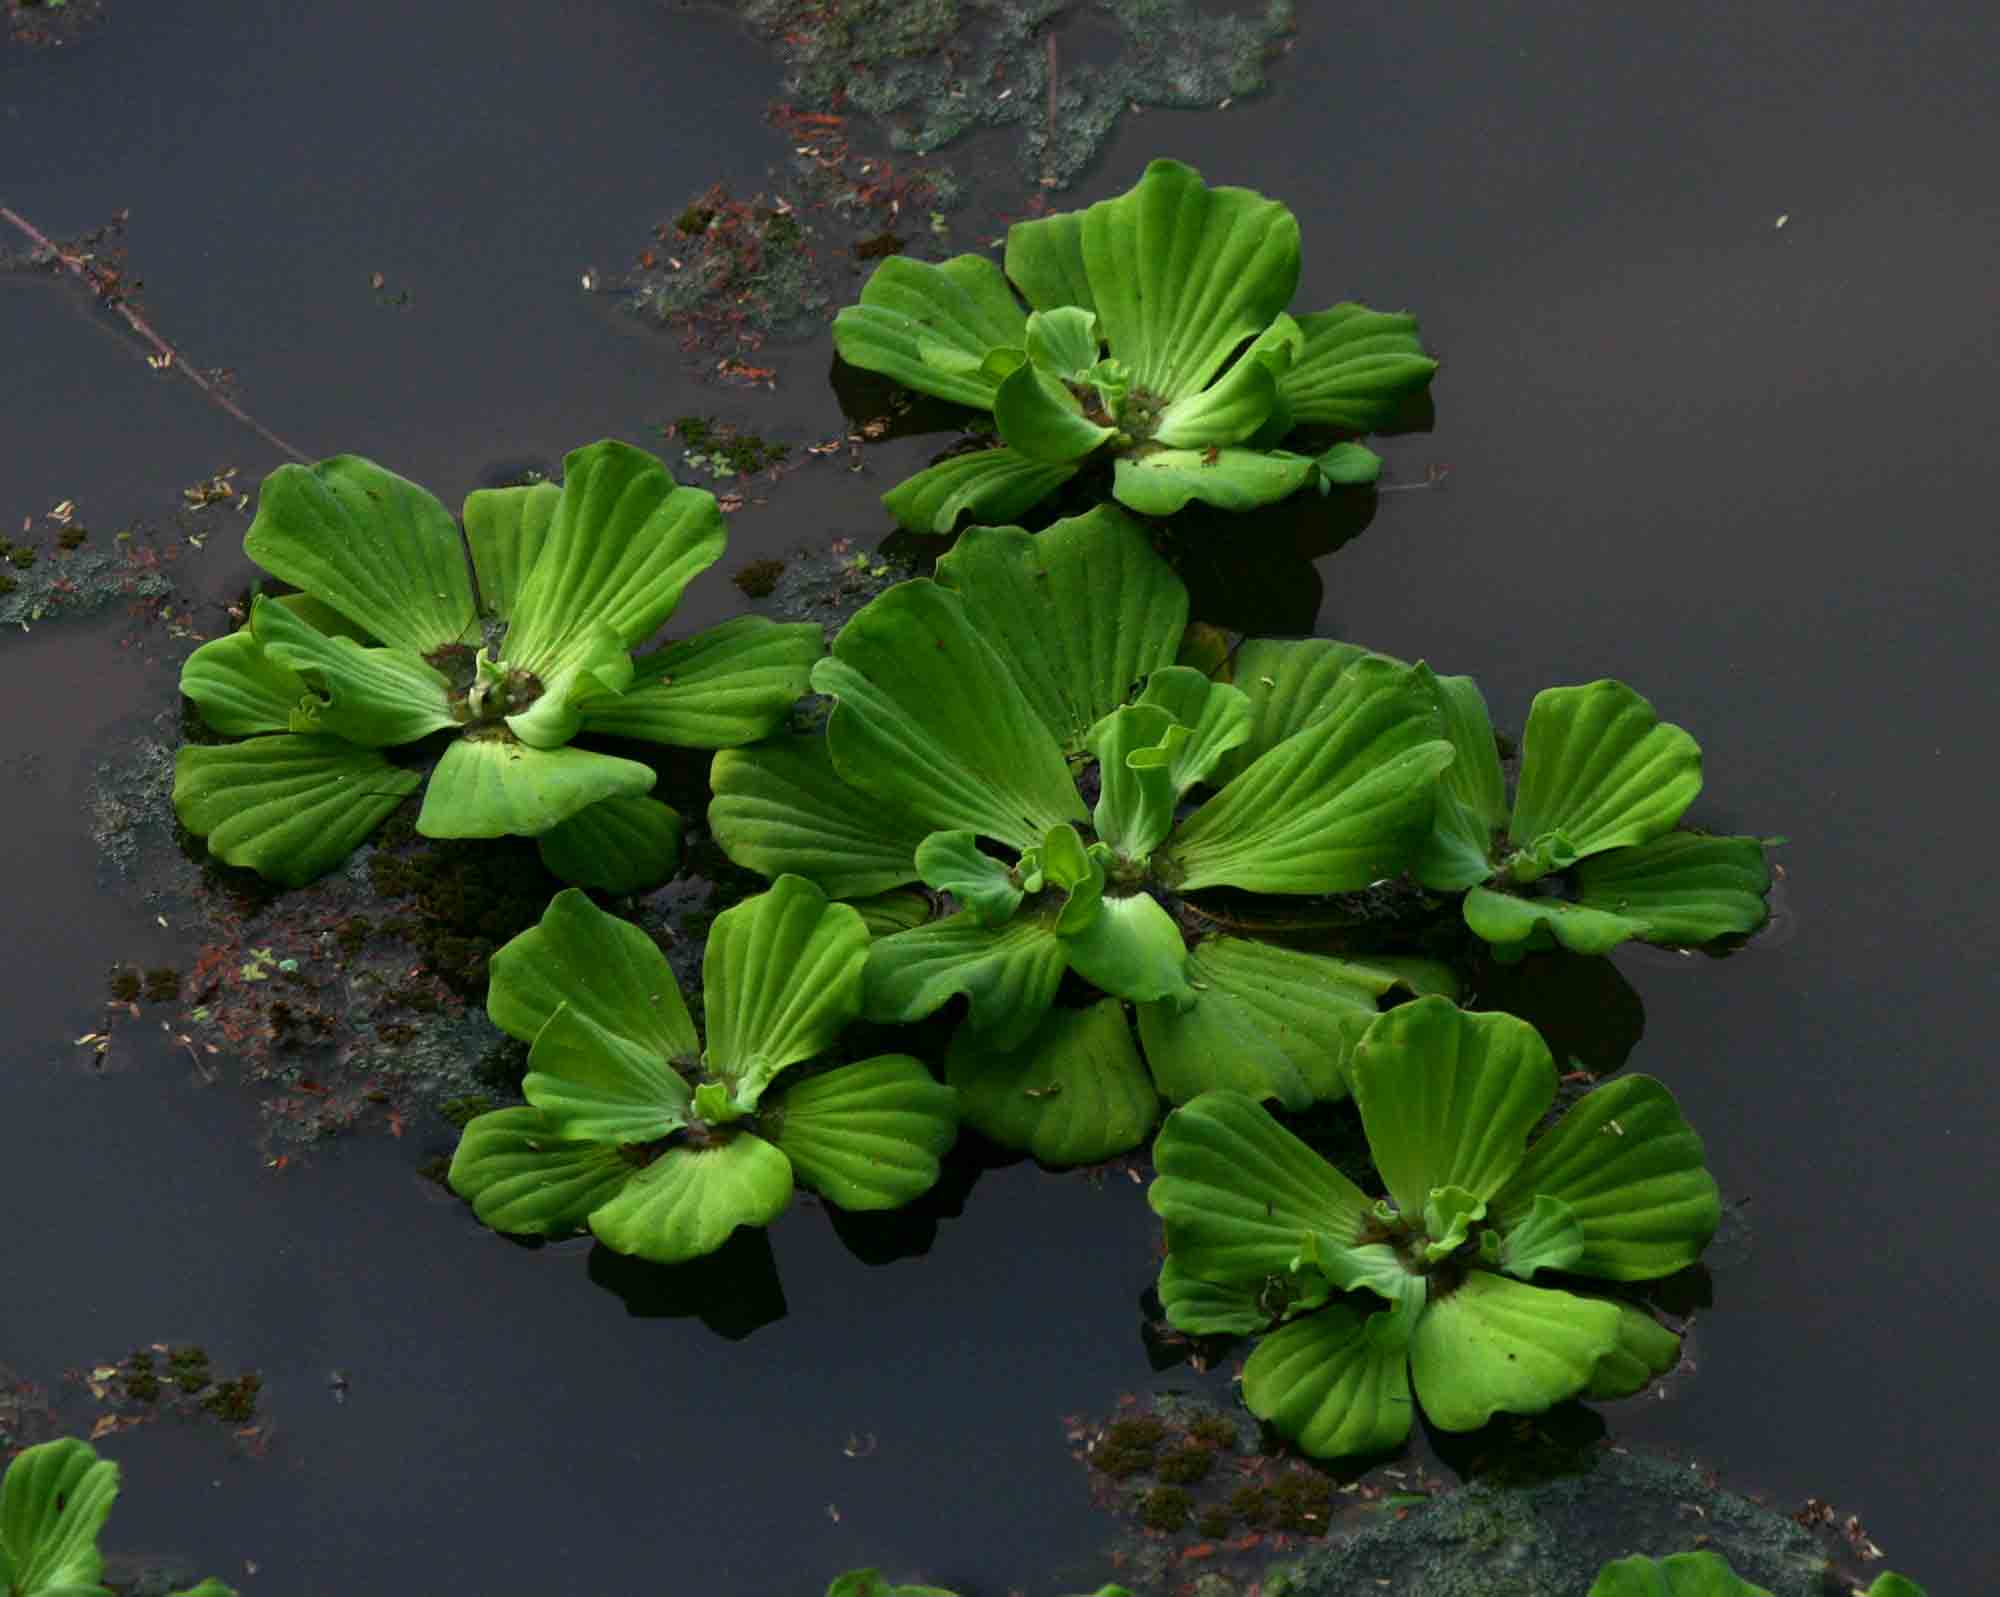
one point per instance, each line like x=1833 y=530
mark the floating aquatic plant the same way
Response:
x=1156 y=340
x=663 y=1147
x=869 y=1583
x=398 y=642
x=1603 y=784
x=1435 y=1282
x=1706 y=1574
x=53 y=1504
x=967 y=711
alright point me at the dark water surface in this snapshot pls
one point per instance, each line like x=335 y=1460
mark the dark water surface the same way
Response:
x=1747 y=468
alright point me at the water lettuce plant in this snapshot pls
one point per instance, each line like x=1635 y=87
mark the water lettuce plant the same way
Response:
x=1156 y=338
x=663 y=1147
x=483 y=657
x=1603 y=784
x=1017 y=736
x=1434 y=1283
x=53 y=1504
x=1706 y=1574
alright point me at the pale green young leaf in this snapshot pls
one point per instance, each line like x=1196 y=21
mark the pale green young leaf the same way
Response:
x=1136 y=796
x=624 y=541
x=1008 y=973
x=1073 y=1092
x=688 y=1201
x=868 y=1135
x=990 y=485
x=930 y=719
x=1217 y=716
x=962 y=306
x=505 y=528
x=595 y=672
x=780 y=807
x=1179 y=274
x=1063 y=342
x=288 y=807
x=781 y=976
x=722 y=688
x=1132 y=949
x=1495 y=1345
x=379 y=549
x=1631 y=1170
x=489 y=784
x=951 y=862
x=1448 y=1098
x=1040 y=418
x=617 y=845
x=1237 y=404
x=1082 y=614
x=1599 y=766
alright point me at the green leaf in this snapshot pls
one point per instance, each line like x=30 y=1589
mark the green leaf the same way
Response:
x=1886 y=1584
x=896 y=911
x=371 y=697
x=240 y=689
x=505 y=529
x=1334 y=808
x=318 y=614
x=1354 y=368
x=780 y=807
x=1645 y=1349
x=782 y=975
x=868 y=1135
x=1699 y=1574
x=960 y=306
x=993 y=485
x=1210 y=1308
x=950 y=862
x=1075 y=870
x=1009 y=973
x=592 y=1085
x=1472 y=807
x=624 y=541
x=1179 y=274
x=1495 y=1345
x=1685 y=887
x=1600 y=767
x=688 y=1201
x=1238 y=1191
x=1449 y=1215
x=288 y=807
x=489 y=784
x=1063 y=342
x=617 y=845
x=53 y=1504
x=1231 y=408
x=1131 y=948
x=1448 y=1098
x=1508 y=921
x=1218 y=718
x=1631 y=1170
x=869 y=1582
x=208 y=1588
x=379 y=549
x=1334 y=1382
x=1081 y=613
x=1073 y=1092
x=597 y=671
x=1159 y=482
x=605 y=970
x=731 y=685
x=1042 y=419
x=930 y=719
x=1290 y=686
x=1348 y=465
x=1136 y=796
x=1266 y=1020
x=1546 y=1236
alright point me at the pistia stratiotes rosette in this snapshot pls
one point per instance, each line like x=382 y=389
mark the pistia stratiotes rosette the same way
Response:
x=390 y=644
x=661 y=1147
x=967 y=712
x=1435 y=1282
x=1156 y=339
x=1603 y=784
x=54 y=1501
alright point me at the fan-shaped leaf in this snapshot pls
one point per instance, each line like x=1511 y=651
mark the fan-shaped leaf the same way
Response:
x=1009 y=973
x=993 y=485
x=596 y=1086
x=373 y=698
x=1136 y=796
x=1495 y=1345
x=1217 y=716
x=1159 y=481
x=1601 y=768
x=950 y=862
x=1042 y=419
x=1472 y=806
x=1685 y=887
x=731 y=685
x=915 y=316
x=288 y=807
x=605 y=970
x=1210 y=1308
x=688 y=1201
x=490 y=784
x=505 y=528
x=1063 y=342
x=868 y=1135
x=1513 y=924
x=1073 y=1093
x=1290 y=686
x=1354 y=367
x=1131 y=948
x=53 y=1503
x=240 y=689
x=617 y=845
x=1698 y=1574
x=1335 y=1381
x=1645 y=1349
x=781 y=807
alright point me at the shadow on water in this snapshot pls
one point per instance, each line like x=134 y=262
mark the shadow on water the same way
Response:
x=732 y=1291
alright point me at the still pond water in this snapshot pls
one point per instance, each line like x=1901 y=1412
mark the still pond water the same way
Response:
x=1714 y=295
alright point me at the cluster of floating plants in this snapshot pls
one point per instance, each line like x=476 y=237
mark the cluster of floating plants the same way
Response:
x=1130 y=866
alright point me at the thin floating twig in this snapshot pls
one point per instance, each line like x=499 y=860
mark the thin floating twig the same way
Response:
x=165 y=356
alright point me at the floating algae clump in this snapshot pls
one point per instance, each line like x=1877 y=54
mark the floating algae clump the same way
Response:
x=934 y=70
